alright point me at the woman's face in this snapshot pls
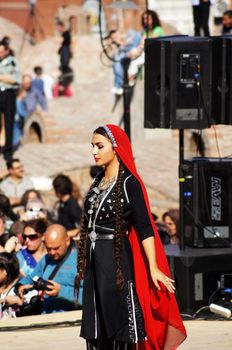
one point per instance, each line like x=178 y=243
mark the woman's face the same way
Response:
x=32 y=239
x=102 y=150
x=170 y=224
x=3 y=275
x=31 y=196
x=148 y=21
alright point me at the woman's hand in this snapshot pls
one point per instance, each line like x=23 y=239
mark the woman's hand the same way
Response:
x=12 y=300
x=11 y=244
x=24 y=289
x=158 y=276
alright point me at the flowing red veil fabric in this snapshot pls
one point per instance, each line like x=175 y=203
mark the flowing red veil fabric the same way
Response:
x=163 y=324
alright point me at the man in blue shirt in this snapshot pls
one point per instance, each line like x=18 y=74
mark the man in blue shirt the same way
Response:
x=62 y=258
x=31 y=96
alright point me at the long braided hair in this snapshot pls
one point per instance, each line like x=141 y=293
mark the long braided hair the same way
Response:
x=81 y=264
x=81 y=260
x=118 y=228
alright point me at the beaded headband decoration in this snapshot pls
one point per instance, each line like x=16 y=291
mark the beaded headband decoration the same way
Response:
x=110 y=135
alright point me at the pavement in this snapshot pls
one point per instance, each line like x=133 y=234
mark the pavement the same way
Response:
x=61 y=330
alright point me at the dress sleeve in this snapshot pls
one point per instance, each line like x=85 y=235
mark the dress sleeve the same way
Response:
x=139 y=213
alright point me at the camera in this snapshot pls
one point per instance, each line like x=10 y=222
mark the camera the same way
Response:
x=40 y=284
x=33 y=213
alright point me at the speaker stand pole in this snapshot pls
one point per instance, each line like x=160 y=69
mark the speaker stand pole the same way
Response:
x=127 y=92
x=181 y=189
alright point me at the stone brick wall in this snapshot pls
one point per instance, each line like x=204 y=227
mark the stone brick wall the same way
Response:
x=43 y=20
x=42 y=24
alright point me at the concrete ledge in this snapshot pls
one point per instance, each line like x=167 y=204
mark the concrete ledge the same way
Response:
x=40 y=321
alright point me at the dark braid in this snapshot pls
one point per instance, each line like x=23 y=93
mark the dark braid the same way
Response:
x=81 y=260
x=118 y=229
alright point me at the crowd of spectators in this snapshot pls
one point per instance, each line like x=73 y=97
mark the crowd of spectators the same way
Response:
x=38 y=245
x=22 y=94
x=129 y=46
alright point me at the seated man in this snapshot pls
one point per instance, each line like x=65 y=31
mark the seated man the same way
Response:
x=227 y=23
x=31 y=97
x=58 y=267
x=43 y=82
x=15 y=184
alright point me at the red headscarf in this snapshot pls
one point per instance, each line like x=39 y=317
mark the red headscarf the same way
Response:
x=163 y=324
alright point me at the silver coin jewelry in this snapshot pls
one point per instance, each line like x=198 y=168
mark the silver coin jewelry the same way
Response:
x=105 y=184
x=99 y=193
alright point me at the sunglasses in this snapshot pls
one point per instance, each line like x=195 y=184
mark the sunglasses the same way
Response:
x=31 y=237
x=35 y=209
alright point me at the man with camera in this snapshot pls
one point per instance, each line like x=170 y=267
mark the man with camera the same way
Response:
x=54 y=275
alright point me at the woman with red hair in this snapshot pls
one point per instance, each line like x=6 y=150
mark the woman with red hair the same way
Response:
x=128 y=299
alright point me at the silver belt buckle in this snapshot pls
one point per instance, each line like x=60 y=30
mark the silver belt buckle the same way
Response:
x=93 y=236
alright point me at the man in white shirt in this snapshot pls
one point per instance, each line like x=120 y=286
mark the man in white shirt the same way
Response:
x=15 y=184
x=9 y=83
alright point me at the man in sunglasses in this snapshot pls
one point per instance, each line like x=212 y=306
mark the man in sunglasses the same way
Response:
x=55 y=273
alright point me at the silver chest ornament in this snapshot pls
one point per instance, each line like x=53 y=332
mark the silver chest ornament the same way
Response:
x=92 y=236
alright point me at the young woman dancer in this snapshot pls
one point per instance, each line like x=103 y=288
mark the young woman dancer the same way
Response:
x=128 y=300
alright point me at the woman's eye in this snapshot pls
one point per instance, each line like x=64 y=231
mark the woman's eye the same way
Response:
x=100 y=146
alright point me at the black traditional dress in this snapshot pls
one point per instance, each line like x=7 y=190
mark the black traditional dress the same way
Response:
x=108 y=312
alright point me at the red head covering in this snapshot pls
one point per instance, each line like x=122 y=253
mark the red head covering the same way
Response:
x=163 y=324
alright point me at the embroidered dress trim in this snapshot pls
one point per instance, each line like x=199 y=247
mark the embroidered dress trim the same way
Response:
x=136 y=326
x=133 y=314
x=124 y=186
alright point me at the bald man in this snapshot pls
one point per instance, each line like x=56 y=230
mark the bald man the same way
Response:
x=56 y=241
x=58 y=267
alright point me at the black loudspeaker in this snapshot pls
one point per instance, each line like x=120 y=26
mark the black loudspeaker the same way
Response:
x=178 y=82
x=207 y=202
x=222 y=80
x=197 y=274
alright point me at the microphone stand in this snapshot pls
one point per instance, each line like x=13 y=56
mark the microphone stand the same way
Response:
x=127 y=94
x=181 y=188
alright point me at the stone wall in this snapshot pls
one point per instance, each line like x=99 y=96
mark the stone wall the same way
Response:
x=40 y=23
